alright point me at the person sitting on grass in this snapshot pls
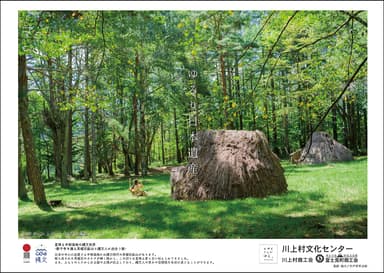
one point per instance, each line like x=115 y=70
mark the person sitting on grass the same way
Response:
x=137 y=189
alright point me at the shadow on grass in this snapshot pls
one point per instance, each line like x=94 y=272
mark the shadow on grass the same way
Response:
x=81 y=188
x=113 y=184
x=45 y=207
x=25 y=200
x=161 y=217
x=28 y=201
x=60 y=223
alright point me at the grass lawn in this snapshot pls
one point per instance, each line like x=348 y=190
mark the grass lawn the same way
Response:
x=323 y=201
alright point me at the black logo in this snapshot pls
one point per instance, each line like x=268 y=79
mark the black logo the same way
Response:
x=319 y=258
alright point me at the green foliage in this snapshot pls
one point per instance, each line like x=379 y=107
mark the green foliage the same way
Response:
x=130 y=68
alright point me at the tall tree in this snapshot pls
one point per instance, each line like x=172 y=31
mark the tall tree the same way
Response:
x=87 y=154
x=33 y=171
x=70 y=113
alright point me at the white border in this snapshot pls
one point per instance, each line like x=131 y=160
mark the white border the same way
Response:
x=233 y=255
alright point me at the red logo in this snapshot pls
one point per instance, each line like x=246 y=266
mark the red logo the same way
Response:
x=26 y=247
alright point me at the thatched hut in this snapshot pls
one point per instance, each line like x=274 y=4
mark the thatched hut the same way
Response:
x=230 y=164
x=323 y=148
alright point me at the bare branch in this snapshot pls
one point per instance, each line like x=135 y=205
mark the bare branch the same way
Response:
x=272 y=48
x=354 y=16
x=333 y=104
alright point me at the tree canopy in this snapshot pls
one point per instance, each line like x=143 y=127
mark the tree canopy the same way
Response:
x=109 y=91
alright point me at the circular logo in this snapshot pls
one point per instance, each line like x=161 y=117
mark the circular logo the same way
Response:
x=41 y=252
x=26 y=247
x=319 y=258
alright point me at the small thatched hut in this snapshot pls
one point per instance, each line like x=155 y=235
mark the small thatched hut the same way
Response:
x=323 y=148
x=230 y=164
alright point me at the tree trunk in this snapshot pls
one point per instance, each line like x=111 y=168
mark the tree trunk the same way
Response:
x=178 y=155
x=22 y=191
x=266 y=119
x=365 y=121
x=303 y=137
x=126 y=160
x=184 y=150
x=351 y=106
x=114 y=152
x=224 y=88
x=334 y=122
x=227 y=123
x=94 y=159
x=346 y=124
x=143 y=126
x=47 y=167
x=33 y=173
x=70 y=143
x=143 y=147
x=110 y=167
x=67 y=143
x=136 y=135
x=150 y=138
x=93 y=147
x=87 y=156
x=237 y=85
x=287 y=147
x=99 y=167
x=229 y=80
x=64 y=166
x=70 y=113
x=162 y=142
x=124 y=139
x=53 y=121
x=253 y=109
x=56 y=134
x=274 y=119
x=358 y=129
x=131 y=166
x=134 y=116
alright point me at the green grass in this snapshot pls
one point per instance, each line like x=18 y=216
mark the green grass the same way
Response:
x=323 y=201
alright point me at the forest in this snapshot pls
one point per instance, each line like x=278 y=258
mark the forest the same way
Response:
x=107 y=93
